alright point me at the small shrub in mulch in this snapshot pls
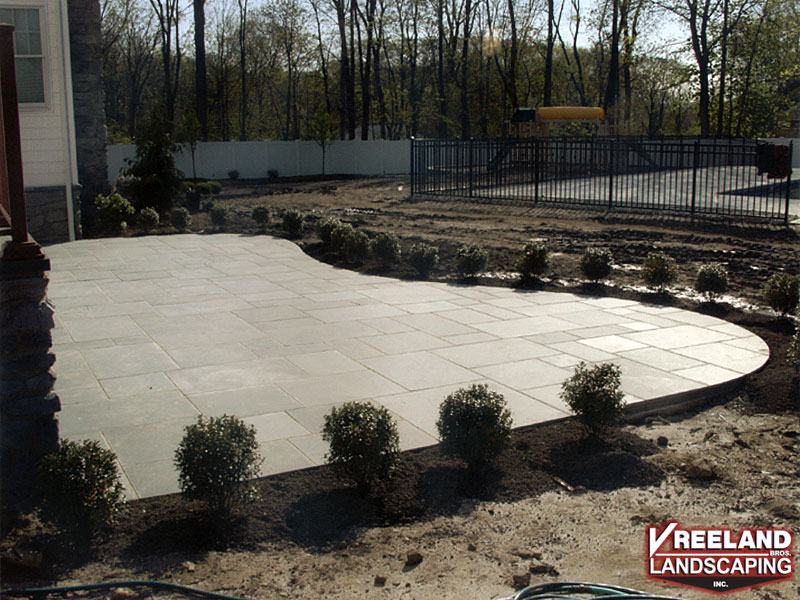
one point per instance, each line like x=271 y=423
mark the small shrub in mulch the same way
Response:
x=596 y=264
x=80 y=487
x=711 y=281
x=659 y=271
x=782 y=293
x=385 y=247
x=215 y=460
x=363 y=443
x=534 y=261
x=471 y=260
x=594 y=395
x=474 y=425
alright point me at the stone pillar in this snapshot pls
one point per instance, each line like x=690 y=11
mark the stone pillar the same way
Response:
x=86 y=44
x=28 y=427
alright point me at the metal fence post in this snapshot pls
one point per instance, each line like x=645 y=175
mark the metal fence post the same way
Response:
x=788 y=184
x=611 y=173
x=413 y=179
x=694 y=174
x=536 y=160
x=471 y=140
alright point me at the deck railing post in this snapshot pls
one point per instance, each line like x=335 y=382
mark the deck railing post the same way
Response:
x=21 y=247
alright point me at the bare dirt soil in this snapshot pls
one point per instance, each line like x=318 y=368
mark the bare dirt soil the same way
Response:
x=556 y=506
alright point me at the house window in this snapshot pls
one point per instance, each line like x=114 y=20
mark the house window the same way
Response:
x=29 y=53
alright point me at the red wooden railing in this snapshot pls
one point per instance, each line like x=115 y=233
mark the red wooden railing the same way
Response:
x=13 y=209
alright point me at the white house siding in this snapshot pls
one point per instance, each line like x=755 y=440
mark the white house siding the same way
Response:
x=49 y=168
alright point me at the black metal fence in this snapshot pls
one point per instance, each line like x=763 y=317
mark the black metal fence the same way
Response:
x=695 y=176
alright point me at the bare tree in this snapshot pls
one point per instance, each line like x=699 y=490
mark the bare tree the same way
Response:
x=243 y=68
x=200 y=77
x=168 y=16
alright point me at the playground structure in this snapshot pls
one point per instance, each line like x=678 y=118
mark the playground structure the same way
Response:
x=536 y=122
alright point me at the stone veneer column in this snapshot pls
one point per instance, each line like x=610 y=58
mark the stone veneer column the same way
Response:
x=28 y=427
x=85 y=37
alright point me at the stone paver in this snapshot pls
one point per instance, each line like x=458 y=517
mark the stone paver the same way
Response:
x=152 y=332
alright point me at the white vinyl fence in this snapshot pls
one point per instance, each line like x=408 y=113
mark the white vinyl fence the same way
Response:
x=254 y=160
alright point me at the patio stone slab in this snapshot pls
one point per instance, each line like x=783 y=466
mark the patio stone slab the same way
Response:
x=154 y=331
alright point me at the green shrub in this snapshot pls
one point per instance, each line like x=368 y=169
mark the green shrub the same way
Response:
x=474 y=425
x=594 y=395
x=356 y=246
x=219 y=215
x=712 y=280
x=292 y=222
x=112 y=212
x=363 y=442
x=180 y=218
x=325 y=228
x=80 y=487
x=782 y=293
x=385 y=247
x=471 y=260
x=535 y=260
x=148 y=219
x=659 y=271
x=596 y=263
x=423 y=257
x=215 y=460
x=260 y=215
x=208 y=188
x=155 y=181
x=339 y=236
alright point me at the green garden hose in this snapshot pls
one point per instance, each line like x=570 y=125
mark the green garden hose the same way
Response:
x=567 y=590
x=163 y=585
x=544 y=591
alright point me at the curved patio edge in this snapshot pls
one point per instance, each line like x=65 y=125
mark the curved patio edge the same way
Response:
x=153 y=331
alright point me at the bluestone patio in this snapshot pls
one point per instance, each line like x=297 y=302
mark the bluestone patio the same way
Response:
x=153 y=331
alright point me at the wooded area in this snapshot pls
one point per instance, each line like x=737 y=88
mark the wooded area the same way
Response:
x=359 y=69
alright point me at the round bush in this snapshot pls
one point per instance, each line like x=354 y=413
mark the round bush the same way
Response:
x=340 y=233
x=782 y=293
x=260 y=215
x=180 y=218
x=659 y=271
x=712 y=280
x=474 y=425
x=471 y=260
x=363 y=442
x=535 y=260
x=112 y=211
x=325 y=228
x=594 y=395
x=596 y=263
x=219 y=215
x=80 y=486
x=148 y=218
x=423 y=257
x=356 y=246
x=292 y=222
x=215 y=460
x=385 y=247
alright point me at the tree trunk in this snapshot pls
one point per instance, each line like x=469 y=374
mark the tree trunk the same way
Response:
x=200 y=80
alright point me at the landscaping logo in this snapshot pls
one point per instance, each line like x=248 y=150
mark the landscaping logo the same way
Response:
x=718 y=560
